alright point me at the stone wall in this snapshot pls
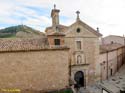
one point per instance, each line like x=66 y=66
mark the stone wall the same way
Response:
x=37 y=70
x=113 y=39
x=111 y=62
x=90 y=53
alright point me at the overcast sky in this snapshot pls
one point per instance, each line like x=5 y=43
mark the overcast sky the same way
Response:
x=108 y=15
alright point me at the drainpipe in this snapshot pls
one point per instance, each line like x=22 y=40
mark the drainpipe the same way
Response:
x=124 y=48
x=107 y=64
x=69 y=71
x=101 y=64
x=123 y=53
x=124 y=41
x=85 y=79
x=117 y=60
x=122 y=56
x=85 y=74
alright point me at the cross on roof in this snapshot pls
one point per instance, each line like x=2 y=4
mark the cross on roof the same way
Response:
x=54 y=6
x=97 y=29
x=77 y=12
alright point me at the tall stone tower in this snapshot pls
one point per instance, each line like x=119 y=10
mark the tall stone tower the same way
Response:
x=55 y=16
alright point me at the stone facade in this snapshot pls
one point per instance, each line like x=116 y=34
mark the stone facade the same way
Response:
x=37 y=70
x=89 y=51
x=47 y=63
x=82 y=60
x=113 y=39
x=111 y=61
x=48 y=69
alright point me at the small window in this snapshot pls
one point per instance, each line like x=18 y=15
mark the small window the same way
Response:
x=112 y=42
x=57 y=29
x=78 y=30
x=104 y=67
x=57 y=41
x=111 y=72
x=78 y=44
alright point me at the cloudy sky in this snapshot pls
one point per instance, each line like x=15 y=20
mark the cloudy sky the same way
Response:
x=108 y=15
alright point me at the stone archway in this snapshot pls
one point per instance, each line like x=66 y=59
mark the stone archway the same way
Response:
x=79 y=78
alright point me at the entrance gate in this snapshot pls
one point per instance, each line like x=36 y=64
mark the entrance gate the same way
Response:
x=79 y=78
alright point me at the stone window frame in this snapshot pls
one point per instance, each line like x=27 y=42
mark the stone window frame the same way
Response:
x=76 y=40
x=56 y=42
x=78 y=43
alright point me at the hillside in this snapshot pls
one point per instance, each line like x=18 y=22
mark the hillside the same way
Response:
x=20 y=31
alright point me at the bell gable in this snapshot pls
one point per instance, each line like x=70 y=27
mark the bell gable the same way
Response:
x=81 y=29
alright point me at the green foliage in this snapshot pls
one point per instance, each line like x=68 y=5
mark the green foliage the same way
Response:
x=11 y=32
x=7 y=35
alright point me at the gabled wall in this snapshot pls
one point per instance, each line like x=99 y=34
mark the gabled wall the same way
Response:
x=89 y=51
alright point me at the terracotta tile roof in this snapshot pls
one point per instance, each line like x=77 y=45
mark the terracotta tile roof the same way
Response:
x=61 y=28
x=114 y=36
x=109 y=47
x=22 y=44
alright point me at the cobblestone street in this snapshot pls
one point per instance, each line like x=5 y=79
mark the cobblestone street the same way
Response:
x=115 y=83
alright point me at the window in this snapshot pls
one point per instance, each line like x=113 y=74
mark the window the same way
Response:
x=78 y=44
x=57 y=29
x=104 y=67
x=78 y=30
x=111 y=72
x=57 y=41
x=79 y=59
x=112 y=42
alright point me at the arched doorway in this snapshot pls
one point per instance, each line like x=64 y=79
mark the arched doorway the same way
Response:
x=79 y=78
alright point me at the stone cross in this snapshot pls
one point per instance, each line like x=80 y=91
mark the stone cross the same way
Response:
x=77 y=12
x=54 y=6
x=97 y=29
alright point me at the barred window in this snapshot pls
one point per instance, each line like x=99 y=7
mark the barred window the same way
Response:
x=57 y=41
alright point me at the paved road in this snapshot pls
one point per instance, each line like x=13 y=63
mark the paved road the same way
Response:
x=116 y=82
x=113 y=84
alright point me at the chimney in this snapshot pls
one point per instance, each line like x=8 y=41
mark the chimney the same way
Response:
x=55 y=16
